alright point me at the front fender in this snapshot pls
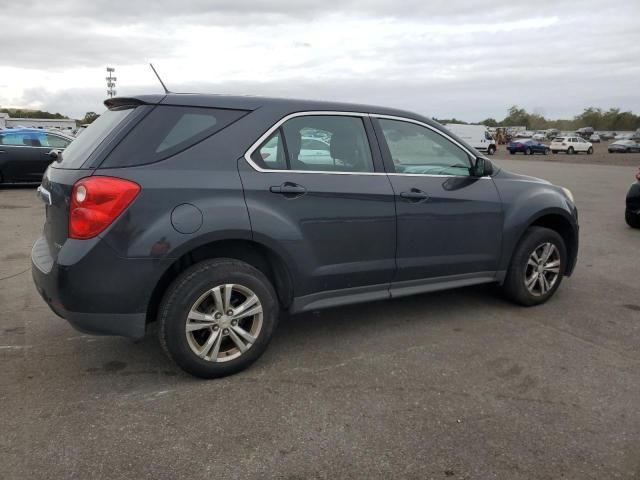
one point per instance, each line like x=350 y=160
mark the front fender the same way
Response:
x=526 y=203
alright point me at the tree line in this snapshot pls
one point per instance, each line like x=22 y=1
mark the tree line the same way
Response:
x=609 y=120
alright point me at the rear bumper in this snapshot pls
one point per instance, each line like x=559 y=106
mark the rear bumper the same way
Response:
x=93 y=289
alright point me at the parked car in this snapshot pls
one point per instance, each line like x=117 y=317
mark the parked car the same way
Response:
x=624 y=146
x=571 y=145
x=528 y=147
x=539 y=136
x=595 y=138
x=165 y=209
x=25 y=153
x=477 y=136
x=632 y=210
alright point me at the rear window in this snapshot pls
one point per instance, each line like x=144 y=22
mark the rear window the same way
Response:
x=81 y=148
x=560 y=139
x=166 y=131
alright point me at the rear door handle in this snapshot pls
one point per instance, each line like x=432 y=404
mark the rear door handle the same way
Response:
x=289 y=189
x=414 y=195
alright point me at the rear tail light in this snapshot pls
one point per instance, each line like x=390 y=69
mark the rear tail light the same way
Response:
x=96 y=202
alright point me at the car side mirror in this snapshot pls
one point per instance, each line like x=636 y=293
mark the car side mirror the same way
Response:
x=482 y=167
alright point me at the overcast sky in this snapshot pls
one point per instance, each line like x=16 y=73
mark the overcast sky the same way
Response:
x=467 y=59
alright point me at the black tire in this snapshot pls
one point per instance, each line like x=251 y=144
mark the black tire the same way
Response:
x=514 y=284
x=570 y=151
x=188 y=288
x=633 y=219
x=590 y=151
x=546 y=151
x=491 y=150
x=528 y=151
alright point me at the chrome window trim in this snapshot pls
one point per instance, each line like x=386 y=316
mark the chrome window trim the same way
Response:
x=438 y=132
x=274 y=127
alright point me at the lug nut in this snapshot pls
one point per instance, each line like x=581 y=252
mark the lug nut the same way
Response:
x=229 y=312
x=225 y=331
x=216 y=328
x=218 y=316
x=234 y=322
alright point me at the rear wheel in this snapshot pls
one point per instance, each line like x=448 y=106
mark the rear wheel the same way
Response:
x=570 y=151
x=632 y=218
x=590 y=151
x=546 y=151
x=527 y=151
x=217 y=317
x=537 y=266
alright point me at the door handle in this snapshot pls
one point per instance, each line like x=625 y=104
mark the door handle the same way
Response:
x=414 y=195
x=289 y=189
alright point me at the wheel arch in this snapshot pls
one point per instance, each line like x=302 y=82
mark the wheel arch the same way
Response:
x=558 y=221
x=255 y=254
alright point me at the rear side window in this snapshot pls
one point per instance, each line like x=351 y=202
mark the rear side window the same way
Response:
x=168 y=130
x=318 y=143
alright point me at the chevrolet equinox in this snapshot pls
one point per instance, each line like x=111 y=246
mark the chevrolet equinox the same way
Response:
x=210 y=214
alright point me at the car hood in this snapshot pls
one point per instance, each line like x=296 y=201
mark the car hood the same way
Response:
x=503 y=174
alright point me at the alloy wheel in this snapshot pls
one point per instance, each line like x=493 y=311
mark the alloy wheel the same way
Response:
x=542 y=269
x=224 y=323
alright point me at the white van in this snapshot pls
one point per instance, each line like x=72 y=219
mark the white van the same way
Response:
x=475 y=135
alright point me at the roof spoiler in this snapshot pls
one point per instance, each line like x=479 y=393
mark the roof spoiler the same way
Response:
x=122 y=102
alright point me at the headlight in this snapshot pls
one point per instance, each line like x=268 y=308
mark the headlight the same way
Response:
x=568 y=193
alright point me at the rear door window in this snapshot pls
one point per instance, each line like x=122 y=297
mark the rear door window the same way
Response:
x=166 y=131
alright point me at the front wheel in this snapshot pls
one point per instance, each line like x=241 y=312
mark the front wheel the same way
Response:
x=491 y=150
x=217 y=317
x=590 y=151
x=570 y=151
x=537 y=267
x=546 y=151
x=527 y=151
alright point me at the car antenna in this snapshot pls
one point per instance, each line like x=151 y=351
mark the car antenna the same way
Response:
x=166 y=90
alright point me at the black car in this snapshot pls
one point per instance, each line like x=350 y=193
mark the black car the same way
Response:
x=632 y=210
x=624 y=146
x=25 y=153
x=528 y=147
x=206 y=214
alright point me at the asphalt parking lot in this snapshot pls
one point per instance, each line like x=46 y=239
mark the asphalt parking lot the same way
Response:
x=458 y=384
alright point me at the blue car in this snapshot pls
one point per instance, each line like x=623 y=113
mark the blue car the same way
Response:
x=528 y=147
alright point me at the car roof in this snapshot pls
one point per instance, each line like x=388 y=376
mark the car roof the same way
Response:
x=248 y=102
x=34 y=130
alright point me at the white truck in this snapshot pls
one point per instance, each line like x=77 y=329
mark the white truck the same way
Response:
x=477 y=136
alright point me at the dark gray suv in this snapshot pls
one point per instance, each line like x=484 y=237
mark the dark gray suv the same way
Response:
x=211 y=214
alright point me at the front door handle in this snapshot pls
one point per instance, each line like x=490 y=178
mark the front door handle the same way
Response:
x=289 y=189
x=414 y=195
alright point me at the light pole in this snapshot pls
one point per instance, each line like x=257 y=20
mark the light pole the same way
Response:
x=111 y=82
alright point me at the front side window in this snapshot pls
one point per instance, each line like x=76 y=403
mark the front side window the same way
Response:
x=416 y=149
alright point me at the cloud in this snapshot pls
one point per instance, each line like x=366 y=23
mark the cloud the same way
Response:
x=453 y=58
